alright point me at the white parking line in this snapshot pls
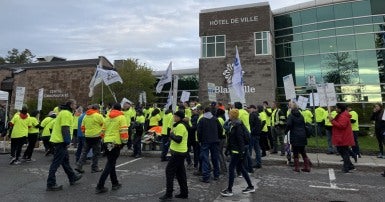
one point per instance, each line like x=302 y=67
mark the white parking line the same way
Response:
x=333 y=184
x=128 y=162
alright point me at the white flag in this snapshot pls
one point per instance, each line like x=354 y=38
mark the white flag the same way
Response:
x=237 y=80
x=96 y=79
x=111 y=76
x=166 y=78
x=169 y=99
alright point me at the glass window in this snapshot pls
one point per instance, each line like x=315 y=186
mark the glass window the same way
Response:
x=213 y=46
x=368 y=69
x=325 y=13
x=297 y=37
x=378 y=7
x=296 y=48
x=309 y=16
x=279 y=51
x=328 y=32
x=299 y=70
x=340 y=67
x=312 y=64
x=343 y=10
x=380 y=41
x=363 y=29
x=310 y=47
x=343 y=23
x=262 y=43
x=378 y=19
x=366 y=20
x=295 y=18
x=365 y=41
x=325 y=25
x=361 y=8
x=297 y=30
x=310 y=35
x=307 y=28
x=345 y=43
x=327 y=45
x=344 y=30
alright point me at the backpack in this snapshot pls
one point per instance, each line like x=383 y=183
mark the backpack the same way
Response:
x=245 y=134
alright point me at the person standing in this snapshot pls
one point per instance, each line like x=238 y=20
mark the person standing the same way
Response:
x=268 y=112
x=278 y=122
x=175 y=166
x=222 y=140
x=255 y=125
x=342 y=135
x=115 y=132
x=320 y=114
x=139 y=128
x=264 y=136
x=33 y=134
x=80 y=134
x=209 y=130
x=379 y=127
x=166 y=128
x=61 y=138
x=47 y=124
x=356 y=130
x=298 y=140
x=91 y=127
x=128 y=113
x=19 y=124
x=328 y=129
x=244 y=117
x=235 y=148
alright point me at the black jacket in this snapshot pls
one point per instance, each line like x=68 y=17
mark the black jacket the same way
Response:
x=209 y=129
x=296 y=126
x=255 y=124
x=379 y=124
x=236 y=141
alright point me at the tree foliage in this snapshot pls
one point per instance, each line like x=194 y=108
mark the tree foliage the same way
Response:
x=341 y=69
x=136 y=78
x=16 y=57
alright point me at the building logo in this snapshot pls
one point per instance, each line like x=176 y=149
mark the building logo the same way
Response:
x=228 y=74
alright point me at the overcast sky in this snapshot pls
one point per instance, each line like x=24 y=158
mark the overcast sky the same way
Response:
x=153 y=31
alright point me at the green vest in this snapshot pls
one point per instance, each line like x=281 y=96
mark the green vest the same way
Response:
x=180 y=130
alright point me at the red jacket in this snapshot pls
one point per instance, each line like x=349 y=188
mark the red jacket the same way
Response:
x=342 y=133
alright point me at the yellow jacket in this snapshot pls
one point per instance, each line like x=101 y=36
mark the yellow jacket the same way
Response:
x=115 y=128
x=92 y=124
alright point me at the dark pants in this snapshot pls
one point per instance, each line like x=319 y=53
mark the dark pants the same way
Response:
x=16 y=146
x=380 y=140
x=356 y=147
x=222 y=159
x=299 y=150
x=94 y=144
x=176 y=168
x=278 y=135
x=264 y=143
x=137 y=142
x=237 y=162
x=48 y=146
x=109 y=169
x=344 y=152
x=257 y=148
x=165 y=146
x=60 y=157
x=129 y=141
x=81 y=142
x=270 y=136
x=211 y=148
x=74 y=139
x=32 y=138
x=197 y=159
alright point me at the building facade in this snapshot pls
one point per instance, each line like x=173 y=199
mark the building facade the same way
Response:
x=337 y=41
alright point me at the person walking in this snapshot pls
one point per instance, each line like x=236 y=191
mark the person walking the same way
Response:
x=379 y=127
x=255 y=125
x=33 y=134
x=19 y=124
x=175 y=166
x=235 y=148
x=278 y=122
x=209 y=130
x=166 y=128
x=298 y=140
x=342 y=135
x=91 y=127
x=47 y=125
x=139 y=128
x=61 y=138
x=328 y=129
x=356 y=131
x=264 y=131
x=80 y=135
x=115 y=132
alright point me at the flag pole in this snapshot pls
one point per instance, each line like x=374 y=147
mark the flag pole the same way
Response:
x=112 y=93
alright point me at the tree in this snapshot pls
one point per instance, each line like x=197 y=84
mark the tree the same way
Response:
x=341 y=69
x=16 y=57
x=136 y=79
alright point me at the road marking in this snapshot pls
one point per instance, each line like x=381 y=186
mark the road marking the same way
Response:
x=128 y=162
x=333 y=184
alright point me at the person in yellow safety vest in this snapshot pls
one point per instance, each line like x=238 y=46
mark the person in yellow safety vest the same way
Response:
x=92 y=128
x=356 y=130
x=222 y=143
x=268 y=112
x=19 y=124
x=243 y=115
x=187 y=110
x=319 y=113
x=278 y=122
x=137 y=139
x=75 y=125
x=130 y=116
x=175 y=166
x=115 y=132
x=167 y=122
x=33 y=134
x=308 y=117
x=47 y=124
x=264 y=136
x=61 y=138
x=328 y=129
x=154 y=118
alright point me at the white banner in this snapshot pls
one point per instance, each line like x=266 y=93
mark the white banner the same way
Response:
x=141 y=98
x=166 y=78
x=237 y=80
x=302 y=102
x=185 y=96
x=144 y=96
x=316 y=99
x=19 y=100
x=327 y=94
x=3 y=95
x=40 y=99
x=211 y=92
x=288 y=83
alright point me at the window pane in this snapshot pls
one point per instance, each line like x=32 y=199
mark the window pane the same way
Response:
x=325 y=13
x=308 y=16
x=311 y=47
x=378 y=7
x=295 y=18
x=220 y=49
x=343 y=23
x=312 y=66
x=210 y=39
x=220 y=38
x=328 y=45
x=299 y=70
x=343 y=10
x=325 y=25
x=366 y=20
x=368 y=70
x=204 y=53
x=365 y=41
x=345 y=30
x=310 y=35
x=210 y=50
x=311 y=27
x=329 y=32
x=378 y=19
x=264 y=48
x=297 y=37
x=361 y=8
x=264 y=35
x=258 y=47
x=345 y=43
x=258 y=35
x=279 y=51
x=204 y=39
x=363 y=29
x=380 y=41
x=297 y=48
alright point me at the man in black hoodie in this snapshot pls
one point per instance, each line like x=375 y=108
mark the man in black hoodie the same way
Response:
x=209 y=129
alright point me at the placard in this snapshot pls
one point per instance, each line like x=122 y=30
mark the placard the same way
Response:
x=289 y=87
x=302 y=102
x=40 y=99
x=185 y=96
x=19 y=100
x=211 y=92
x=316 y=99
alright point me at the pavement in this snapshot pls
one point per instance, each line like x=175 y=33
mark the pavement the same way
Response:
x=318 y=159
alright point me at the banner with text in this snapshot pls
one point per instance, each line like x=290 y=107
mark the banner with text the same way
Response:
x=19 y=100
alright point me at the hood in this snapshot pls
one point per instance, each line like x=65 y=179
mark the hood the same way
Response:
x=91 y=111
x=114 y=113
x=236 y=122
x=295 y=112
x=208 y=115
x=23 y=116
x=345 y=114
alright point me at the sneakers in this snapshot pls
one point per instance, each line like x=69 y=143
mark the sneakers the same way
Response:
x=101 y=190
x=55 y=188
x=17 y=162
x=77 y=178
x=13 y=160
x=249 y=189
x=96 y=170
x=116 y=186
x=227 y=193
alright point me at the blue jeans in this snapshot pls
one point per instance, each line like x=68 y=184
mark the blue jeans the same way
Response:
x=60 y=157
x=257 y=148
x=212 y=148
x=237 y=162
x=329 y=137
